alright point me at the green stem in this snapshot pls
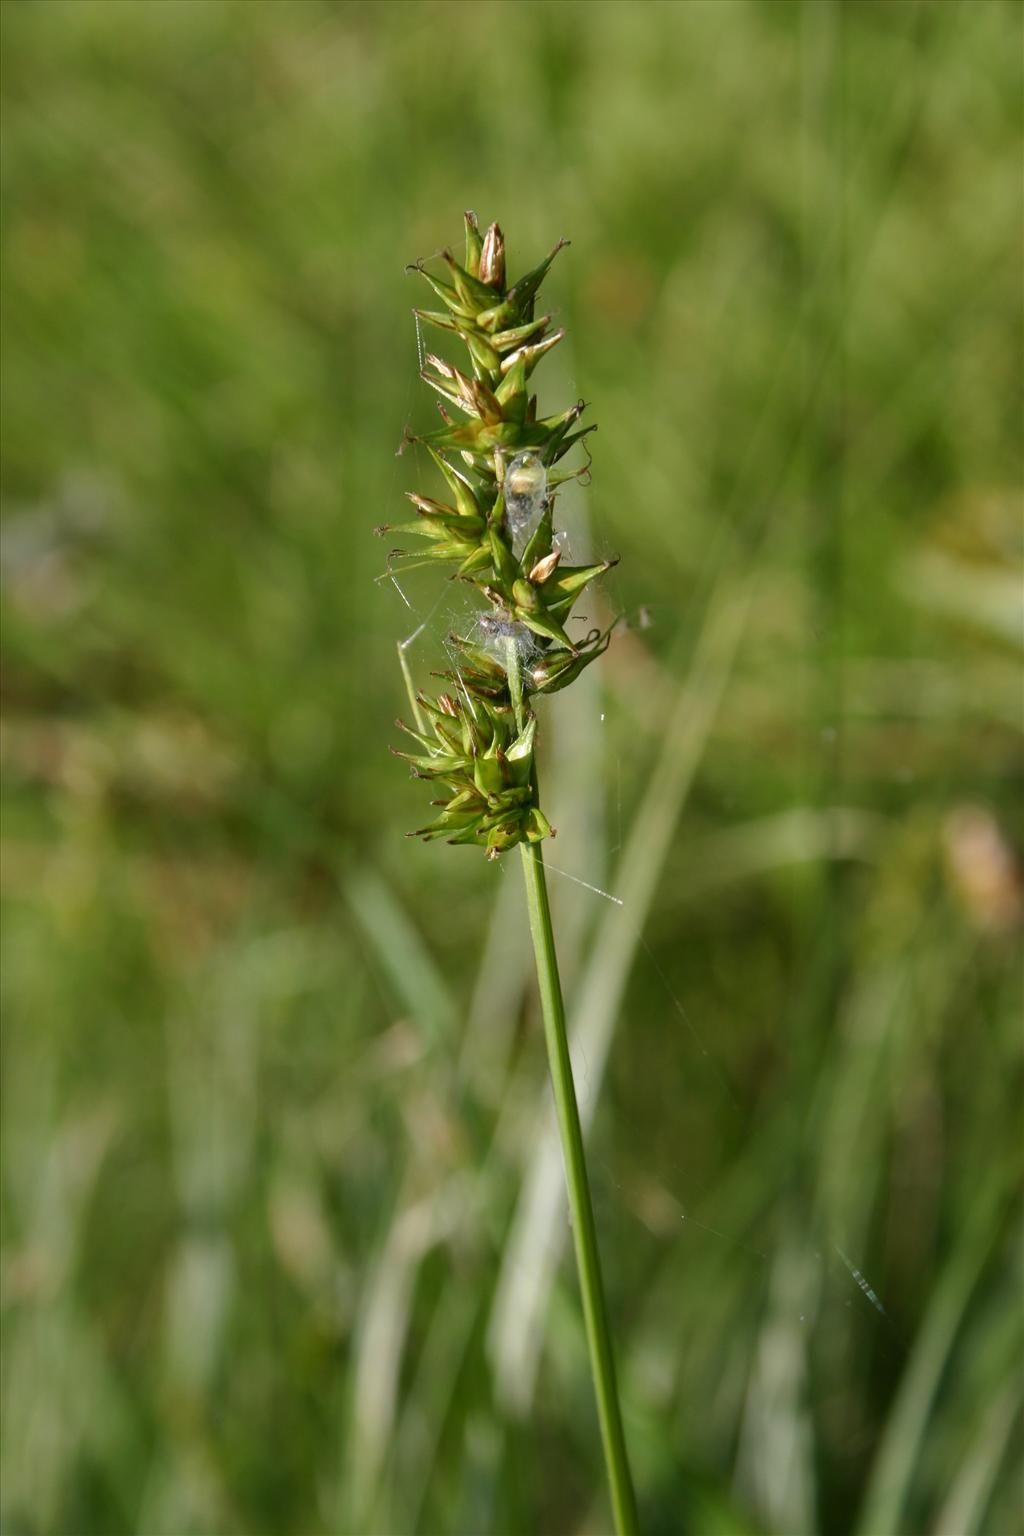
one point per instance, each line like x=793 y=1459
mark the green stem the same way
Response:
x=584 y=1232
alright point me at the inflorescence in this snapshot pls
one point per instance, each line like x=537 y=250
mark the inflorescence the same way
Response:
x=497 y=529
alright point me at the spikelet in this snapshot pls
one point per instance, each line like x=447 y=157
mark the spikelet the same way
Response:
x=499 y=463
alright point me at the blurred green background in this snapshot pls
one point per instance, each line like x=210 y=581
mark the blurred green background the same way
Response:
x=284 y=1238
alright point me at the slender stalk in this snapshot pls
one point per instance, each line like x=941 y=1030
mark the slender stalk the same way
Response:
x=584 y=1232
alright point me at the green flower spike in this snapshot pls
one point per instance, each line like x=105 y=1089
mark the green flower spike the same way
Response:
x=493 y=524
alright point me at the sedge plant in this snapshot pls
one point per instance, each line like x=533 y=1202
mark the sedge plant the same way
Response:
x=501 y=464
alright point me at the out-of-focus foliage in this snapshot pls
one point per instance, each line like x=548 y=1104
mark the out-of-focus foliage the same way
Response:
x=282 y=1234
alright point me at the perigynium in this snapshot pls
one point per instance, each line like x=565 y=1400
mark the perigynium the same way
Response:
x=475 y=741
